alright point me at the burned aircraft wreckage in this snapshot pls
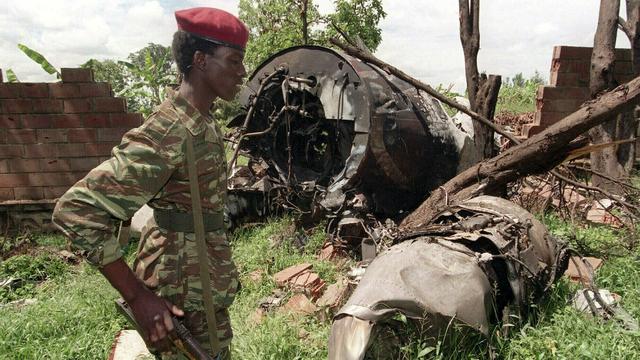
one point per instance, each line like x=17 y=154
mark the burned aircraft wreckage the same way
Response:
x=331 y=136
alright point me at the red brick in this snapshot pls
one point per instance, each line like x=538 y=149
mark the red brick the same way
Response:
x=38 y=121
x=9 y=121
x=6 y=194
x=9 y=90
x=39 y=151
x=569 y=79
x=554 y=105
x=74 y=75
x=28 y=193
x=78 y=106
x=289 y=273
x=103 y=149
x=4 y=166
x=623 y=54
x=23 y=165
x=571 y=66
x=83 y=164
x=11 y=151
x=550 y=92
x=126 y=120
x=95 y=89
x=52 y=135
x=13 y=180
x=70 y=150
x=54 y=192
x=109 y=104
x=16 y=106
x=54 y=179
x=21 y=136
x=54 y=165
x=67 y=121
x=572 y=52
x=34 y=90
x=549 y=118
x=64 y=91
x=81 y=135
x=111 y=134
x=3 y=136
x=95 y=120
x=47 y=106
x=623 y=68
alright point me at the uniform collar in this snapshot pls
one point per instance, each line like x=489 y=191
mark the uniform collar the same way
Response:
x=192 y=119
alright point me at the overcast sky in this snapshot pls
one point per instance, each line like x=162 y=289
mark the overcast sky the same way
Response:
x=418 y=36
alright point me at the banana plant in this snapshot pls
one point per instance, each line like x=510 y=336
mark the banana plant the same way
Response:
x=11 y=76
x=39 y=59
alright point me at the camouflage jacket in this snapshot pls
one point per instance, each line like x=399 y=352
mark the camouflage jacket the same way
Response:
x=149 y=166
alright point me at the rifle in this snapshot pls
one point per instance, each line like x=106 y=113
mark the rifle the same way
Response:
x=185 y=342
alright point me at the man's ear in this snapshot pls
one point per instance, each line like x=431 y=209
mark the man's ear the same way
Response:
x=199 y=61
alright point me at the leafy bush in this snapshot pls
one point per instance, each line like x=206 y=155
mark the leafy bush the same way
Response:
x=518 y=95
x=27 y=271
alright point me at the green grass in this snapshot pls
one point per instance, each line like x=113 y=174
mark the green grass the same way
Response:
x=74 y=317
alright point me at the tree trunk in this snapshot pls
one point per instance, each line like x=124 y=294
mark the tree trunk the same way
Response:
x=305 y=21
x=540 y=153
x=629 y=126
x=482 y=91
x=602 y=79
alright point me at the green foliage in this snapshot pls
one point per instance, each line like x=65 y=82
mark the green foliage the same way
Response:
x=27 y=271
x=278 y=335
x=518 y=95
x=11 y=76
x=39 y=59
x=74 y=318
x=278 y=24
x=358 y=18
x=141 y=80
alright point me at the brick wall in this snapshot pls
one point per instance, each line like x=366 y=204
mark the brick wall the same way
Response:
x=569 y=84
x=52 y=134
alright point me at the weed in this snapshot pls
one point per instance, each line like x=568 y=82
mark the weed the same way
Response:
x=26 y=272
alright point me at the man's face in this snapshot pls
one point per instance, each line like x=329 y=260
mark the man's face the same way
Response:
x=224 y=71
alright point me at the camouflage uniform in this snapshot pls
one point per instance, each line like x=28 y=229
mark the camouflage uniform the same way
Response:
x=149 y=166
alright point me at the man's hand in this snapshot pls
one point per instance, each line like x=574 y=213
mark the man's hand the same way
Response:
x=153 y=315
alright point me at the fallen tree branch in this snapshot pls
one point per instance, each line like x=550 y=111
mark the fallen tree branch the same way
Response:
x=362 y=55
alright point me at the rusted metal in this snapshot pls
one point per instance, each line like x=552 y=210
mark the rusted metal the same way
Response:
x=475 y=261
x=353 y=129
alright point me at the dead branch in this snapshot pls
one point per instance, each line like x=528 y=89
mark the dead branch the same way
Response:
x=539 y=153
x=353 y=51
x=603 y=175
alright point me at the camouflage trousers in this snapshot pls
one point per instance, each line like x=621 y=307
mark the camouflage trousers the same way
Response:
x=167 y=262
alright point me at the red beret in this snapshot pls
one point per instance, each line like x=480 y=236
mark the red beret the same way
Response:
x=215 y=25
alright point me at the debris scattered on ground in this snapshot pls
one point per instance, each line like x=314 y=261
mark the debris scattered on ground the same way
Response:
x=581 y=303
x=335 y=295
x=290 y=273
x=20 y=303
x=582 y=273
x=606 y=305
x=256 y=275
x=300 y=304
x=257 y=316
x=272 y=301
x=129 y=345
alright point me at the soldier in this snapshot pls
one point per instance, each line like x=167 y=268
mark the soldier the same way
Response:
x=151 y=166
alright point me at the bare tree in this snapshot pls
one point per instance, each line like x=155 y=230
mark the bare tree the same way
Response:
x=602 y=79
x=482 y=90
x=629 y=126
